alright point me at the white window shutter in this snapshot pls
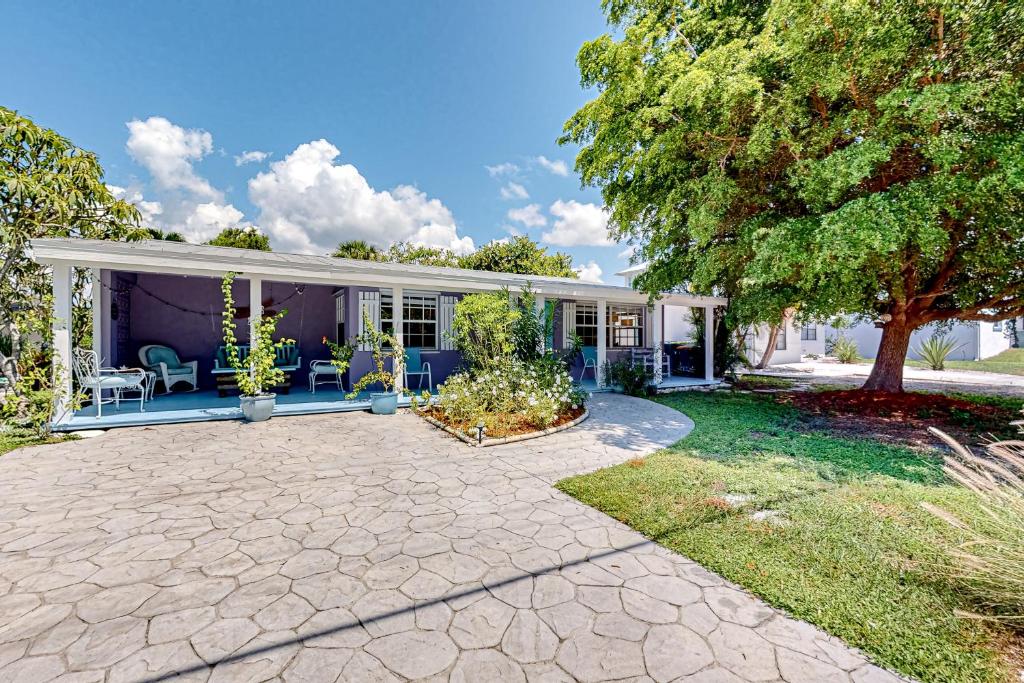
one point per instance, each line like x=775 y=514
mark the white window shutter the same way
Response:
x=445 y=316
x=568 y=323
x=370 y=303
x=649 y=340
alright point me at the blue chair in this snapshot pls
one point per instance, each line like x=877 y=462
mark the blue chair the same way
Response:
x=589 y=361
x=414 y=365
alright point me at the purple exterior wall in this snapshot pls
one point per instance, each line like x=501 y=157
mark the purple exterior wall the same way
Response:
x=149 y=309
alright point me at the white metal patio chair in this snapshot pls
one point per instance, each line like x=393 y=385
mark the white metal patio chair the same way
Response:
x=326 y=369
x=92 y=376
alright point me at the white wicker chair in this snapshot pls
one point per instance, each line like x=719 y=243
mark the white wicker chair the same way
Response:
x=169 y=369
x=92 y=376
x=323 y=372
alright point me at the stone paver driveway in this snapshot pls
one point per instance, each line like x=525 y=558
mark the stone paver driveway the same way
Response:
x=361 y=548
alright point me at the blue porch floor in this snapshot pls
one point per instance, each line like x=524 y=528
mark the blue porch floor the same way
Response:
x=201 y=406
x=668 y=384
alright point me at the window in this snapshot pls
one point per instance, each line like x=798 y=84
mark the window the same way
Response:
x=780 y=341
x=419 y=319
x=339 y=317
x=626 y=326
x=809 y=332
x=586 y=324
x=997 y=326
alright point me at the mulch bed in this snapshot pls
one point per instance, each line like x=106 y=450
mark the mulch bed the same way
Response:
x=512 y=425
x=899 y=418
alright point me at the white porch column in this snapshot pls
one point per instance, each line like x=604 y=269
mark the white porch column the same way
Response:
x=709 y=343
x=602 y=339
x=542 y=317
x=96 y=277
x=61 y=343
x=659 y=341
x=397 y=314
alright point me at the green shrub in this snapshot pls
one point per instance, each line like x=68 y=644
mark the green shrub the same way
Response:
x=635 y=379
x=483 y=328
x=936 y=350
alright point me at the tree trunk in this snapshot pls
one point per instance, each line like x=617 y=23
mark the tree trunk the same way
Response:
x=769 y=350
x=887 y=373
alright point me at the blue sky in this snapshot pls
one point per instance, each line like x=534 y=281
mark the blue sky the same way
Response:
x=430 y=121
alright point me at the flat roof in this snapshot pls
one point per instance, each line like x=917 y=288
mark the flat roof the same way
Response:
x=160 y=256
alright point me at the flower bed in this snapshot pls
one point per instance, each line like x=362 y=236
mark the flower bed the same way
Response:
x=511 y=387
x=467 y=432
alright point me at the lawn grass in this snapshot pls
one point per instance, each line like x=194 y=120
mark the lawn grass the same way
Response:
x=1009 y=362
x=9 y=442
x=852 y=556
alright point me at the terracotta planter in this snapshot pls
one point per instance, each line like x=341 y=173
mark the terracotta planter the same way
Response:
x=258 y=408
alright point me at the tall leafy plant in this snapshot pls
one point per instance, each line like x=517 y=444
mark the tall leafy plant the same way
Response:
x=484 y=328
x=384 y=346
x=258 y=373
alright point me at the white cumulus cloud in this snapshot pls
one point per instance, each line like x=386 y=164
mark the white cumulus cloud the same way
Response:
x=514 y=191
x=506 y=168
x=529 y=215
x=557 y=166
x=578 y=225
x=150 y=211
x=168 y=151
x=208 y=219
x=589 y=272
x=308 y=203
x=251 y=157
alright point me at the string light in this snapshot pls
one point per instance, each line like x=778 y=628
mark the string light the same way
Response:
x=299 y=289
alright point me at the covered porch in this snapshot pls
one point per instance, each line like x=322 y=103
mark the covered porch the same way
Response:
x=166 y=294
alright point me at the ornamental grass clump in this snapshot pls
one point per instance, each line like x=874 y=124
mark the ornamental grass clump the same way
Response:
x=989 y=562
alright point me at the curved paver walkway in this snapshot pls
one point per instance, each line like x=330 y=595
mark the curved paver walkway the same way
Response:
x=361 y=548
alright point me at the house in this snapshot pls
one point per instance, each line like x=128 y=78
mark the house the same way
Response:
x=168 y=293
x=794 y=340
x=975 y=340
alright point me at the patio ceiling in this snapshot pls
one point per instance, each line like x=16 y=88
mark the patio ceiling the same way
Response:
x=157 y=256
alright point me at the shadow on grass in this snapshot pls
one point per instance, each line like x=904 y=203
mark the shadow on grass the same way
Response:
x=734 y=427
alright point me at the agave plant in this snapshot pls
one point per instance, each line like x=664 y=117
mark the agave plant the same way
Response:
x=936 y=350
x=989 y=563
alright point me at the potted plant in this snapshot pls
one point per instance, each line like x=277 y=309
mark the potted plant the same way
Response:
x=382 y=345
x=258 y=373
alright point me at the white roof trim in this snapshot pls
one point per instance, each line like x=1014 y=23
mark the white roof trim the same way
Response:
x=158 y=256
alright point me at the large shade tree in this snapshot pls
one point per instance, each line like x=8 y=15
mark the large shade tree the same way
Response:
x=48 y=188
x=843 y=156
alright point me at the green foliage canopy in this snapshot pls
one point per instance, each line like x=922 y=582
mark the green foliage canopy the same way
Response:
x=519 y=255
x=240 y=238
x=862 y=156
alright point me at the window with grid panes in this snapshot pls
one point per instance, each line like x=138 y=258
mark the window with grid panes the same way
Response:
x=419 y=323
x=626 y=326
x=419 y=319
x=809 y=332
x=586 y=323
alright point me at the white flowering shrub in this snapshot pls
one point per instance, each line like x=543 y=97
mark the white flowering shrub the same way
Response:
x=510 y=396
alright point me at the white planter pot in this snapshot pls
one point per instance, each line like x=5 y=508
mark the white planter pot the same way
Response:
x=258 y=408
x=384 y=403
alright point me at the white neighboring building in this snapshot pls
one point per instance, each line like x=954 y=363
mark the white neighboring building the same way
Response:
x=976 y=341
